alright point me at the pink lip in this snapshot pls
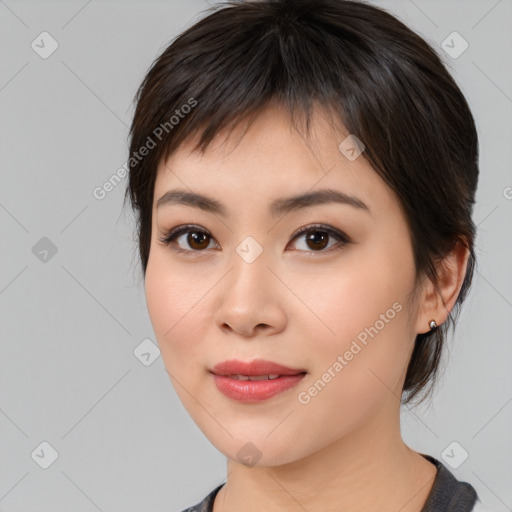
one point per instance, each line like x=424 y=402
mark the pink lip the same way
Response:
x=253 y=368
x=254 y=391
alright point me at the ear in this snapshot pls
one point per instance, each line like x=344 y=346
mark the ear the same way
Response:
x=436 y=304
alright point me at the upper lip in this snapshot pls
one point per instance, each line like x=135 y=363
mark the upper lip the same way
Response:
x=253 y=368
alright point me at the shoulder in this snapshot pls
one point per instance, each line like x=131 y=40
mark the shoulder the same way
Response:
x=205 y=505
x=448 y=493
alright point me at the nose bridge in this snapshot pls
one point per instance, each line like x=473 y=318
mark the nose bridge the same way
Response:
x=249 y=297
x=250 y=250
x=249 y=261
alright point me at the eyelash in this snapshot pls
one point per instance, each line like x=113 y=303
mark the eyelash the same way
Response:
x=179 y=230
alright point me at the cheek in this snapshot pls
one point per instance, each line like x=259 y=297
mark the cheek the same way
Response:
x=365 y=320
x=365 y=288
x=174 y=306
x=357 y=372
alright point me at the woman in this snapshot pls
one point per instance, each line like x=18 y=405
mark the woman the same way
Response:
x=303 y=175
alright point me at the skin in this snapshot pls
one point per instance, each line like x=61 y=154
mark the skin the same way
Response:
x=343 y=450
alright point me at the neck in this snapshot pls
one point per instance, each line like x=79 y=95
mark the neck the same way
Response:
x=368 y=469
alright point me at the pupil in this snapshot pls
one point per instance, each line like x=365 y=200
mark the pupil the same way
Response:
x=320 y=241
x=195 y=238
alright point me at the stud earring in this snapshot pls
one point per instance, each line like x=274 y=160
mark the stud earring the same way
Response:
x=432 y=324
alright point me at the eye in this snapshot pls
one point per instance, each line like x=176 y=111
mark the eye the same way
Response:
x=317 y=238
x=198 y=239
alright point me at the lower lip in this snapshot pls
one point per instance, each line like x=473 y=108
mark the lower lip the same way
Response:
x=255 y=390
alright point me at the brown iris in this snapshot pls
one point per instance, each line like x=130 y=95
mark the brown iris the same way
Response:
x=320 y=241
x=198 y=240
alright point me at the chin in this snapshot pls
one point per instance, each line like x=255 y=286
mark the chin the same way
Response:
x=256 y=449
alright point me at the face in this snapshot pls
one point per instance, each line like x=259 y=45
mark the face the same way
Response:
x=333 y=301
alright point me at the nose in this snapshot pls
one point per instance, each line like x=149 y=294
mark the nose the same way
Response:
x=250 y=299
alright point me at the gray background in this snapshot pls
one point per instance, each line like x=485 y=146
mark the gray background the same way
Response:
x=72 y=320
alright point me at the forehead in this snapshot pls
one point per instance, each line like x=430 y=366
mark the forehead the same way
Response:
x=271 y=158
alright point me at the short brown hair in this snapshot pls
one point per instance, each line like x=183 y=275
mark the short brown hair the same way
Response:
x=383 y=81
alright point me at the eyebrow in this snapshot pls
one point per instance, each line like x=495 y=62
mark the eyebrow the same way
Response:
x=278 y=207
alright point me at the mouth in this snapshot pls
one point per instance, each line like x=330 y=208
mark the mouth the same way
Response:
x=255 y=377
x=254 y=381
